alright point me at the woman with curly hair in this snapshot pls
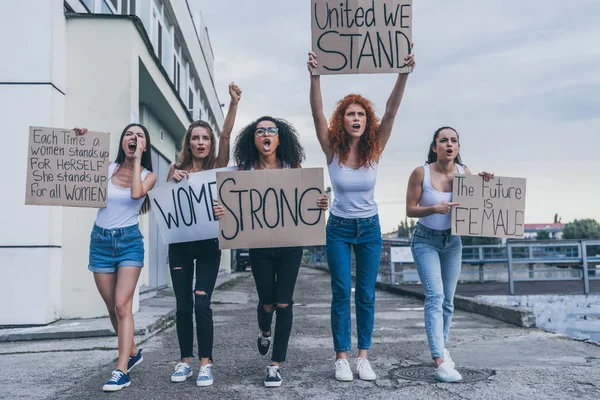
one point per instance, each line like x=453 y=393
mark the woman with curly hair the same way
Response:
x=193 y=296
x=272 y=143
x=353 y=142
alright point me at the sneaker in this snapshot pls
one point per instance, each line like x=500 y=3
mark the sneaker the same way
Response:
x=118 y=381
x=342 y=370
x=273 y=378
x=448 y=359
x=182 y=372
x=135 y=360
x=447 y=373
x=205 y=377
x=263 y=343
x=364 y=370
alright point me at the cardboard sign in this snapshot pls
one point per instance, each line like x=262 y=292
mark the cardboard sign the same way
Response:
x=64 y=169
x=401 y=254
x=361 y=36
x=184 y=210
x=271 y=208
x=492 y=209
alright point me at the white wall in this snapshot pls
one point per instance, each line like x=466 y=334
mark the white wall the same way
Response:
x=33 y=61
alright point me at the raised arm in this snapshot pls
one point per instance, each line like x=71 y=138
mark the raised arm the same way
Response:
x=393 y=103
x=235 y=94
x=139 y=188
x=316 y=106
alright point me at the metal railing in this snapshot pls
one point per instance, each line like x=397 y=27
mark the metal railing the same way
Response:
x=576 y=260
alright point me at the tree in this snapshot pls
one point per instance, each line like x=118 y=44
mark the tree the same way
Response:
x=582 y=229
x=557 y=219
x=405 y=229
x=543 y=235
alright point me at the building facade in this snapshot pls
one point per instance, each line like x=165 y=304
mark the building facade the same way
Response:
x=99 y=64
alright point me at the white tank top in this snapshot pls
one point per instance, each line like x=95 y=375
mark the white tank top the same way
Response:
x=431 y=197
x=121 y=210
x=353 y=189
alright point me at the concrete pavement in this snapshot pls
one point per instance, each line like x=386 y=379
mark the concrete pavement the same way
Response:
x=521 y=363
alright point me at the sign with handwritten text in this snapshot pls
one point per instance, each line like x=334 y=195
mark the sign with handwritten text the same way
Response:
x=492 y=209
x=361 y=36
x=64 y=169
x=271 y=208
x=184 y=210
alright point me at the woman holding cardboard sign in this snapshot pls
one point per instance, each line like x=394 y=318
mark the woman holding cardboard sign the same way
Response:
x=272 y=143
x=353 y=142
x=198 y=153
x=116 y=243
x=437 y=253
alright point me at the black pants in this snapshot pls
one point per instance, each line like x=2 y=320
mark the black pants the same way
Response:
x=275 y=272
x=181 y=262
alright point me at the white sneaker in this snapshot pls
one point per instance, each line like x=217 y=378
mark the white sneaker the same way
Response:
x=447 y=373
x=342 y=370
x=364 y=370
x=448 y=359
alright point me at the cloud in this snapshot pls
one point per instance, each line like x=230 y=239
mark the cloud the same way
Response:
x=520 y=83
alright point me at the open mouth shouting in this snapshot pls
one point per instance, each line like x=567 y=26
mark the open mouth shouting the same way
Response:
x=266 y=144
x=449 y=152
x=356 y=128
x=132 y=146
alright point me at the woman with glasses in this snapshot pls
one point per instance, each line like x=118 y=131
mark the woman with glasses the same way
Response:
x=353 y=142
x=272 y=143
x=193 y=296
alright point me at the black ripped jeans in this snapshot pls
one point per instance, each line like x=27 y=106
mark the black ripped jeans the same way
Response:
x=275 y=271
x=181 y=262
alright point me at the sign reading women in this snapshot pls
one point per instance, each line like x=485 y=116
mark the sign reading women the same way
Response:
x=361 y=36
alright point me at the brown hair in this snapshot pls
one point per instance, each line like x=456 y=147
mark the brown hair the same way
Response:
x=185 y=160
x=369 y=148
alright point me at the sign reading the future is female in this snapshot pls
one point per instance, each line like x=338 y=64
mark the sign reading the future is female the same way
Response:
x=493 y=209
x=361 y=36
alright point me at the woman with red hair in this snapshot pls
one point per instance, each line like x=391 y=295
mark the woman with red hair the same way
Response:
x=353 y=142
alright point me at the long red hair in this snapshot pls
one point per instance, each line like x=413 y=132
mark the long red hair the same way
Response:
x=369 y=148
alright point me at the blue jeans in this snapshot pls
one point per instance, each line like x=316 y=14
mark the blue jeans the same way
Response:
x=438 y=256
x=364 y=234
x=114 y=248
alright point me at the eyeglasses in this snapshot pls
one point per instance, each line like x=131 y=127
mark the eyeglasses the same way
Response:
x=271 y=131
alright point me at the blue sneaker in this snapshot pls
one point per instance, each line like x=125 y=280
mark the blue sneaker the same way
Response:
x=205 y=377
x=118 y=381
x=135 y=360
x=273 y=378
x=182 y=372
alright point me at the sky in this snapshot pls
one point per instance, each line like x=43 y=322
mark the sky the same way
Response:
x=520 y=83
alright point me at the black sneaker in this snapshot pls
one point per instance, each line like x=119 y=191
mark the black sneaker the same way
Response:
x=263 y=343
x=273 y=378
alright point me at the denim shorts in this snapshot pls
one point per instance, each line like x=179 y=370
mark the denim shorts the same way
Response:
x=114 y=248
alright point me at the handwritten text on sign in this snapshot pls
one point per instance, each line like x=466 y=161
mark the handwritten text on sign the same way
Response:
x=492 y=209
x=271 y=208
x=64 y=169
x=184 y=210
x=361 y=36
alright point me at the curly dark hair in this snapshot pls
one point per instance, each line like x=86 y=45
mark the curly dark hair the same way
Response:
x=369 y=148
x=289 y=151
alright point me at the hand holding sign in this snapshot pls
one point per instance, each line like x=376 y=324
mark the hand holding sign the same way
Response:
x=179 y=174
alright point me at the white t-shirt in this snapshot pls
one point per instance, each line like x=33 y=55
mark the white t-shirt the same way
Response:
x=121 y=210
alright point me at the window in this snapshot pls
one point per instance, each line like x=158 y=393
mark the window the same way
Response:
x=176 y=74
x=105 y=8
x=89 y=4
x=190 y=99
x=115 y=4
x=127 y=7
x=162 y=135
x=160 y=41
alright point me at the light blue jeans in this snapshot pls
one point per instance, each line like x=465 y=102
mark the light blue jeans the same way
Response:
x=438 y=256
